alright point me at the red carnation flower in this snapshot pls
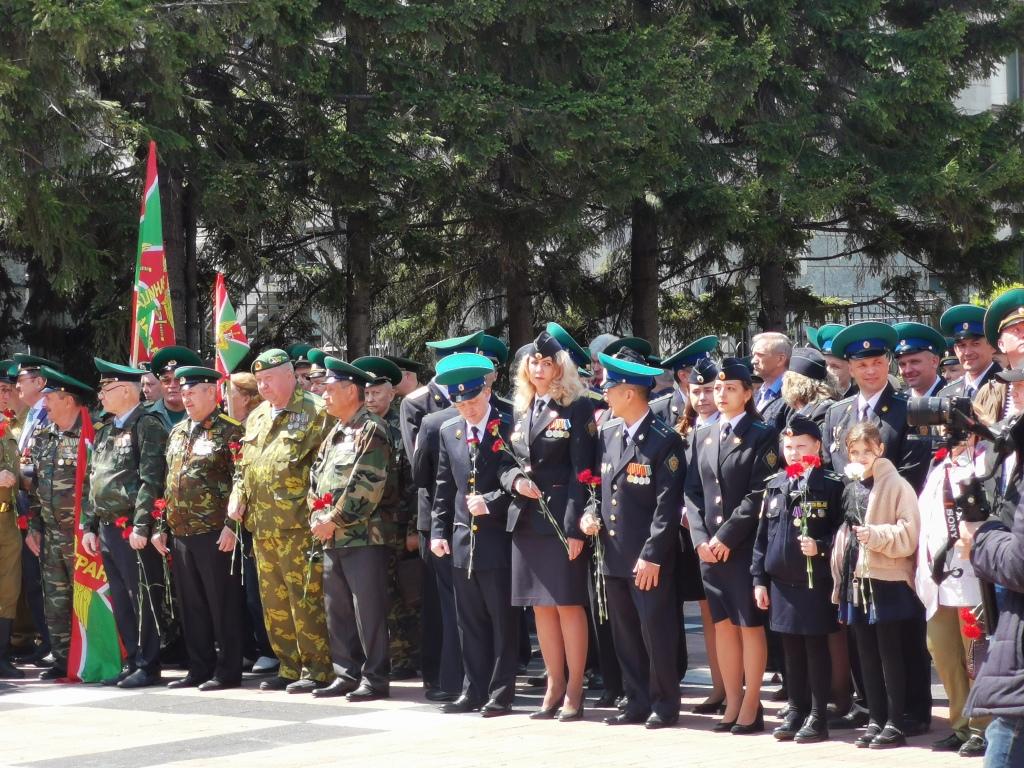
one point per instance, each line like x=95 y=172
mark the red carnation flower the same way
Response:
x=586 y=476
x=972 y=632
x=9 y=413
x=967 y=616
x=23 y=522
x=941 y=454
x=3 y=428
x=158 y=509
x=126 y=533
x=811 y=460
x=498 y=445
x=121 y=522
x=794 y=470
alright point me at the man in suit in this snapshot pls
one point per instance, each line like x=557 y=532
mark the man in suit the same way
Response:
x=965 y=324
x=642 y=471
x=918 y=351
x=867 y=346
x=468 y=527
x=770 y=356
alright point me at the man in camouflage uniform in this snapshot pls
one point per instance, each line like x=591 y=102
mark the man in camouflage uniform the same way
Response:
x=200 y=467
x=353 y=466
x=126 y=479
x=403 y=618
x=281 y=438
x=10 y=545
x=51 y=510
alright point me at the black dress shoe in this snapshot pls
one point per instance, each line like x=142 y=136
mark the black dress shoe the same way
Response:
x=439 y=695
x=402 y=673
x=622 y=702
x=951 y=743
x=723 y=726
x=709 y=707
x=494 y=709
x=545 y=714
x=304 y=685
x=813 y=730
x=912 y=727
x=656 y=721
x=537 y=680
x=625 y=718
x=567 y=715
x=112 y=681
x=53 y=673
x=366 y=693
x=790 y=725
x=755 y=727
x=460 y=706
x=857 y=717
x=596 y=682
x=890 y=737
x=606 y=699
x=185 y=682
x=276 y=683
x=974 y=747
x=140 y=678
x=213 y=684
x=37 y=657
x=338 y=687
x=868 y=736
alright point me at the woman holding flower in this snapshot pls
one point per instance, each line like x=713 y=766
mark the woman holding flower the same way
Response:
x=873 y=569
x=801 y=512
x=553 y=440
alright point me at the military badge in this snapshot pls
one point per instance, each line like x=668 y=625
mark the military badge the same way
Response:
x=771 y=458
x=672 y=463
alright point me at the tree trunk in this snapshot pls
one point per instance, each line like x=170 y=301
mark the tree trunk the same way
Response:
x=515 y=274
x=193 y=331
x=359 y=223
x=772 y=278
x=172 y=205
x=643 y=271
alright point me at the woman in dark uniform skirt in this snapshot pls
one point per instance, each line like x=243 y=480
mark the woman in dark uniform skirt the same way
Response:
x=554 y=436
x=724 y=487
x=700 y=411
x=792 y=577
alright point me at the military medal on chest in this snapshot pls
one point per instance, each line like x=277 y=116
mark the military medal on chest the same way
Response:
x=558 y=428
x=638 y=474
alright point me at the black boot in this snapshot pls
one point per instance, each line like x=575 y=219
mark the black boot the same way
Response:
x=7 y=670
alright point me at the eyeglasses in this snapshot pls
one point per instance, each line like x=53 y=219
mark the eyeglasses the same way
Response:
x=107 y=390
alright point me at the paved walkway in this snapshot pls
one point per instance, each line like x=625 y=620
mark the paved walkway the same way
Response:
x=87 y=726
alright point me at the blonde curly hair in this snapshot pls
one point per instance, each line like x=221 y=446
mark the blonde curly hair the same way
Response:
x=799 y=390
x=565 y=388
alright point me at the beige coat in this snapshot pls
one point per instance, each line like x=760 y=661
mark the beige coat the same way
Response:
x=894 y=522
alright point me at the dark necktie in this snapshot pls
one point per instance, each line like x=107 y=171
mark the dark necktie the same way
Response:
x=476 y=435
x=726 y=431
x=865 y=412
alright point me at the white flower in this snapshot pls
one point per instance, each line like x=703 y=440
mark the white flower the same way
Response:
x=854 y=470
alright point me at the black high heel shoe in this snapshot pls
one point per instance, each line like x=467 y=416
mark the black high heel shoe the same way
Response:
x=545 y=714
x=755 y=727
x=566 y=715
x=724 y=726
x=709 y=707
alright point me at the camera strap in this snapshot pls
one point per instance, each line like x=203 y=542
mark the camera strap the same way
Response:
x=949 y=507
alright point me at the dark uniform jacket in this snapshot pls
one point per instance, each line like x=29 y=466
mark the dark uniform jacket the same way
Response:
x=430 y=398
x=669 y=408
x=556 y=447
x=642 y=493
x=725 y=483
x=777 y=555
x=958 y=387
x=458 y=476
x=909 y=451
x=424 y=464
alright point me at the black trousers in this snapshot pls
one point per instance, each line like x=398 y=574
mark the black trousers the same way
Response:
x=645 y=627
x=604 y=644
x=919 y=670
x=356 y=603
x=440 y=622
x=489 y=633
x=808 y=673
x=884 y=669
x=212 y=614
x=134 y=605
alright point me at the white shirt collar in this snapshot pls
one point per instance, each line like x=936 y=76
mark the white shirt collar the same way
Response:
x=712 y=419
x=872 y=403
x=481 y=426
x=631 y=431
x=971 y=381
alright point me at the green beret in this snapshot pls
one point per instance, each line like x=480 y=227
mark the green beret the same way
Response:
x=167 y=359
x=579 y=355
x=463 y=374
x=113 y=372
x=270 y=358
x=187 y=375
x=642 y=346
x=688 y=356
x=918 y=337
x=963 y=321
x=33 y=363
x=620 y=371
x=1006 y=310
x=56 y=381
x=404 y=363
x=299 y=353
x=381 y=369
x=8 y=371
x=821 y=338
x=494 y=348
x=866 y=339
x=471 y=342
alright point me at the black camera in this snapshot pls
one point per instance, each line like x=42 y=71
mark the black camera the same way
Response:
x=954 y=413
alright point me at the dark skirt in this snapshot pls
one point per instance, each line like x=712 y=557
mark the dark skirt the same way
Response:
x=542 y=573
x=889 y=601
x=730 y=590
x=688 y=579
x=797 y=610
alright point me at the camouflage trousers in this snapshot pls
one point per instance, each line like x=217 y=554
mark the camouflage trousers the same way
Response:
x=403 y=622
x=296 y=626
x=57 y=563
x=10 y=564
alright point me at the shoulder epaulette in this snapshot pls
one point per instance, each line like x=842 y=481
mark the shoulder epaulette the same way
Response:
x=902 y=395
x=595 y=395
x=832 y=475
x=845 y=401
x=452 y=421
x=660 y=427
x=230 y=420
x=660 y=398
x=615 y=421
x=417 y=392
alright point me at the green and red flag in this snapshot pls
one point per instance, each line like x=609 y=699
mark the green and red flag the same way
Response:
x=152 y=319
x=229 y=338
x=96 y=650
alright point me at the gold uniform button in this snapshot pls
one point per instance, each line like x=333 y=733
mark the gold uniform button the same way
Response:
x=615 y=502
x=611 y=533
x=718 y=499
x=613 y=518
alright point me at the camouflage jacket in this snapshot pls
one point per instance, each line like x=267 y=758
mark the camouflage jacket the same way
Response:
x=128 y=469
x=353 y=465
x=272 y=478
x=200 y=468
x=51 y=496
x=405 y=504
x=11 y=461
